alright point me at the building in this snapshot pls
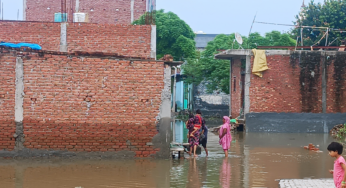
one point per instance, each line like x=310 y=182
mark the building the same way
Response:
x=303 y=91
x=98 y=11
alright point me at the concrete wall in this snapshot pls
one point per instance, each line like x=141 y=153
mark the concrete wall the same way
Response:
x=212 y=105
x=127 y=40
x=100 y=11
x=82 y=104
x=293 y=122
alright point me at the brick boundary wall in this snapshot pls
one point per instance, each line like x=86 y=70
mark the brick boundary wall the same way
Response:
x=290 y=86
x=83 y=104
x=99 y=11
x=127 y=40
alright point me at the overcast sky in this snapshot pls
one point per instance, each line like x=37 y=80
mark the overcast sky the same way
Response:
x=214 y=16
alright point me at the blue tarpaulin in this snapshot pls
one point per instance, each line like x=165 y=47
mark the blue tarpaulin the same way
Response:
x=19 y=45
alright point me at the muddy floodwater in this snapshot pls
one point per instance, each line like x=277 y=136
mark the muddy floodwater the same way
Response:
x=256 y=160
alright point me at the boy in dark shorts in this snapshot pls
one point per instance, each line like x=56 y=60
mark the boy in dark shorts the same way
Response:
x=204 y=138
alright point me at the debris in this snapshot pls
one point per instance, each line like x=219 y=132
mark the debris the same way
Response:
x=336 y=129
x=311 y=147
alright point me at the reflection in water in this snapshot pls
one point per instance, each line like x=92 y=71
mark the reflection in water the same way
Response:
x=225 y=174
x=255 y=160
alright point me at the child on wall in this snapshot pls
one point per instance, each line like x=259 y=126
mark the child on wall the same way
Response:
x=335 y=150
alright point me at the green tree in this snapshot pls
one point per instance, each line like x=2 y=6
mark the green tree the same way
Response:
x=174 y=36
x=216 y=72
x=329 y=14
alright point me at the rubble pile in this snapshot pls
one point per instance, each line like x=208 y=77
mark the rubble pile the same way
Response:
x=335 y=130
x=311 y=147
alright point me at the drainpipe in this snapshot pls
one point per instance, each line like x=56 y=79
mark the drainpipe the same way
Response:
x=174 y=96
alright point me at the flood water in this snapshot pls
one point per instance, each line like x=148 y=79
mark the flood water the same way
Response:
x=256 y=160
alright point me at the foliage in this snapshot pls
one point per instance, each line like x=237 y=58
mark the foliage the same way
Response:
x=329 y=14
x=342 y=132
x=174 y=36
x=216 y=72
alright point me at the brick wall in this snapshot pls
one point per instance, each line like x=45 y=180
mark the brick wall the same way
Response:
x=86 y=104
x=7 y=102
x=127 y=40
x=100 y=11
x=45 y=34
x=291 y=86
x=336 y=83
x=236 y=95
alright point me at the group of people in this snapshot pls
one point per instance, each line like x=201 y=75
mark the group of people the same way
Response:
x=198 y=133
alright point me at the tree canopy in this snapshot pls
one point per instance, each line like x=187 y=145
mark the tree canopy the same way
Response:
x=330 y=14
x=174 y=36
x=216 y=72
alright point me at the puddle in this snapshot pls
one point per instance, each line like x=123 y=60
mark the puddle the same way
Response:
x=256 y=160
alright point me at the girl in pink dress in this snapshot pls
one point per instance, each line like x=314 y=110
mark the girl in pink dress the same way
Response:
x=335 y=150
x=225 y=135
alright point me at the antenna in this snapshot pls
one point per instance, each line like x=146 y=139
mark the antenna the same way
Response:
x=18 y=15
x=239 y=39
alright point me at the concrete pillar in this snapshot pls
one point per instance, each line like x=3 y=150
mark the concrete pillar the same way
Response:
x=163 y=139
x=247 y=85
x=24 y=10
x=153 y=42
x=324 y=84
x=19 y=99
x=77 y=6
x=230 y=88
x=63 y=37
x=132 y=10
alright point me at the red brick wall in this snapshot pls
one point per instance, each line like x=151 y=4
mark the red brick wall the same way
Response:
x=336 y=83
x=236 y=95
x=281 y=90
x=104 y=11
x=128 y=40
x=293 y=87
x=84 y=104
x=45 y=34
x=7 y=102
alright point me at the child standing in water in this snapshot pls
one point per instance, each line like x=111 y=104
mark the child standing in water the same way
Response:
x=335 y=150
x=225 y=135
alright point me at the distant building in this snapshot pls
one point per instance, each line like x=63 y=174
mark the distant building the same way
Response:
x=203 y=39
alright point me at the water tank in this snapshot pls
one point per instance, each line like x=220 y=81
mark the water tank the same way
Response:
x=80 y=17
x=60 y=17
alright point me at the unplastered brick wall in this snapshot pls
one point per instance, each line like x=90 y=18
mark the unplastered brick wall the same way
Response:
x=235 y=88
x=84 y=104
x=7 y=102
x=293 y=84
x=127 y=40
x=45 y=34
x=99 y=11
x=336 y=82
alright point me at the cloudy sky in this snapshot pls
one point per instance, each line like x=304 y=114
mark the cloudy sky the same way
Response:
x=214 y=16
